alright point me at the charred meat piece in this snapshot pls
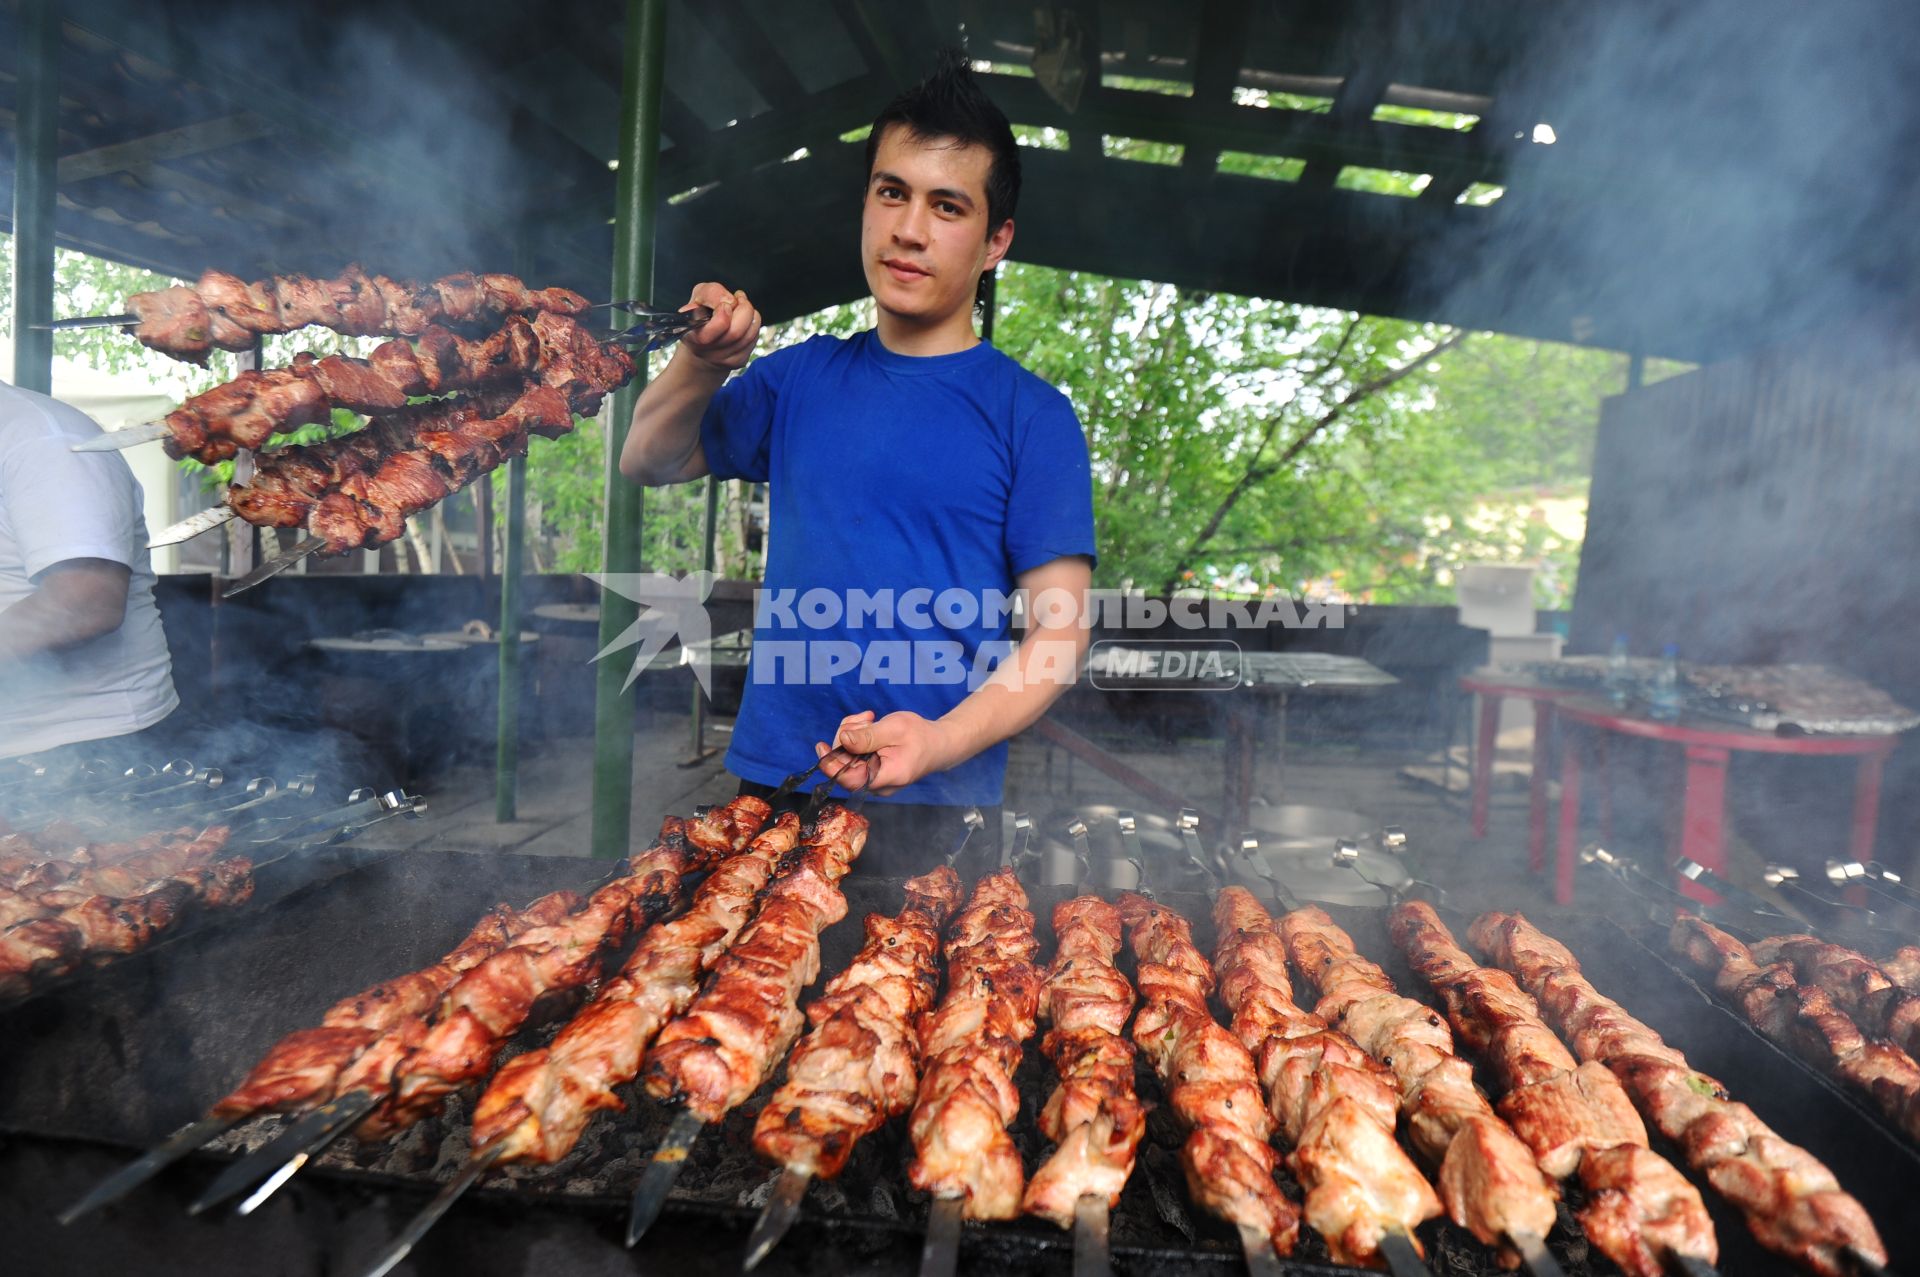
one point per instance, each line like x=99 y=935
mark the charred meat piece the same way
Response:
x=1335 y=1103
x=860 y=1062
x=1791 y=1202
x=1208 y=1076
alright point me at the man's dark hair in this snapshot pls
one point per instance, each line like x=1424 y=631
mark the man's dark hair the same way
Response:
x=950 y=103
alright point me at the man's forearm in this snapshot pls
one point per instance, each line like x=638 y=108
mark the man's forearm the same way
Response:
x=666 y=420
x=37 y=624
x=1043 y=666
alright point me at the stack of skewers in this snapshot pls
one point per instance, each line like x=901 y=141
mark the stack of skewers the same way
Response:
x=476 y=364
x=699 y=1014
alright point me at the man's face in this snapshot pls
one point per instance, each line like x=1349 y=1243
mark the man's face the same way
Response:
x=923 y=233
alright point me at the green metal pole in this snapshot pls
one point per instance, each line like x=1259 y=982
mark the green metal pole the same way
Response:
x=506 y=757
x=707 y=559
x=992 y=304
x=634 y=202
x=36 y=149
x=506 y=772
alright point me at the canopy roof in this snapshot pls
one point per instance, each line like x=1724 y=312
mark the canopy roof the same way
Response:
x=1721 y=174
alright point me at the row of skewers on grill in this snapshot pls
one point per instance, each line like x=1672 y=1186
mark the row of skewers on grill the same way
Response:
x=476 y=365
x=707 y=1004
x=1808 y=987
x=70 y=902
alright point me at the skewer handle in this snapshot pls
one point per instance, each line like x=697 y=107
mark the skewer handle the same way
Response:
x=781 y=1210
x=1403 y=1257
x=1258 y=1248
x=1534 y=1254
x=1092 y=1255
x=140 y=1170
x=443 y=1201
x=941 y=1254
x=657 y=1181
x=121 y=440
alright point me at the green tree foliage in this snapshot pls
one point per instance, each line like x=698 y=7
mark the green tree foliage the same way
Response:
x=1238 y=444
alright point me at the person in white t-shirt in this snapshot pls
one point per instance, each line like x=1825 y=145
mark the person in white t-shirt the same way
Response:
x=83 y=657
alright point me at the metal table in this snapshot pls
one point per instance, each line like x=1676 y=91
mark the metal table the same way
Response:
x=1266 y=682
x=1701 y=836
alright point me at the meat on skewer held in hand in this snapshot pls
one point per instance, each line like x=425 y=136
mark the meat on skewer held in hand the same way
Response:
x=226 y=312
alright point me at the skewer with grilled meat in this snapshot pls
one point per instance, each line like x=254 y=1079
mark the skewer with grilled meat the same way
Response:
x=227 y=312
x=733 y=1033
x=101 y=925
x=1209 y=1078
x=1487 y=1178
x=301 y=1069
x=125 y=876
x=1802 y=1017
x=371 y=507
x=859 y=1063
x=259 y=404
x=1857 y=985
x=1903 y=967
x=1093 y=1116
x=60 y=850
x=970 y=1045
x=537 y=1106
x=1639 y=1209
x=415 y=1067
x=1335 y=1105
x=1791 y=1202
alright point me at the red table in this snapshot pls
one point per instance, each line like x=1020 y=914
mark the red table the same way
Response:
x=1492 y=687
x=1709 y=748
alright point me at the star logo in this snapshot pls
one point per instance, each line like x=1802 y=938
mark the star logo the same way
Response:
x=670 y=607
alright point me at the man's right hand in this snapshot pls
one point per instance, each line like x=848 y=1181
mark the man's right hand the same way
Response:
x=725 y=342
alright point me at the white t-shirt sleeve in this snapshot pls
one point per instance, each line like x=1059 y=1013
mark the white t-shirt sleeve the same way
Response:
x=66 y=505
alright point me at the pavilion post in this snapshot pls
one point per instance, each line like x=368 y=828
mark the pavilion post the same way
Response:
x=708 y=557
x=643 y=70
x=506 y=757
x=36 y=143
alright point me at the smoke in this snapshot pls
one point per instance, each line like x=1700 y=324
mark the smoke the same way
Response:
x=398 y=140
x=1723 y=171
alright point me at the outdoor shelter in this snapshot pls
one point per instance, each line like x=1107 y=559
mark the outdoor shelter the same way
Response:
x=1709 y=178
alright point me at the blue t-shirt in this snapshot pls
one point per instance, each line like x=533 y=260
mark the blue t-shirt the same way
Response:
x=906 y=494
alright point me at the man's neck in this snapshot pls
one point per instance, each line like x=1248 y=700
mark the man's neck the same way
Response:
x=949 y=337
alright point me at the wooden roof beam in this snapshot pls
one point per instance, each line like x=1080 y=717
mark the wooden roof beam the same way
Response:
x=208 y=135
x=1222 y=47
x=1296 y=134
x=730 y=25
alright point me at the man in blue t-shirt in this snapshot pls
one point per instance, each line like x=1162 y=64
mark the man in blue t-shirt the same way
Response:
x=918 y=479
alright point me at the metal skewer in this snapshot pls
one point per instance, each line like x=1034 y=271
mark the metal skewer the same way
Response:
x=192 y=1136
x=192 y=526
x=275 y=566
x=1691 y=1265
x=1402 y=1256
x=442 y=1202
x=1020 y=850
x=1130 y=842
x=1535 y=1255
x=292 y=1148
x=776 y=1217
x=1092 y=1256
x=124 y=438
x=87 y=321
x=1258 y=1248
x=668 y=1161
x=941 y=1253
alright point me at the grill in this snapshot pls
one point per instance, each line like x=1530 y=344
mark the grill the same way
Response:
x=143 y=1046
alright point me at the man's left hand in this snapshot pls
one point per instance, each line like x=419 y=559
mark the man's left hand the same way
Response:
x=902 y=747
